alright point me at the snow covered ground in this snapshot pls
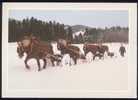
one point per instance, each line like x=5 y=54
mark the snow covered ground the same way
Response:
x=107 y=74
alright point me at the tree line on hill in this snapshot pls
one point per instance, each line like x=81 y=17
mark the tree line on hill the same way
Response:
x=95 y=35
x=51 y=31
x=46 y=31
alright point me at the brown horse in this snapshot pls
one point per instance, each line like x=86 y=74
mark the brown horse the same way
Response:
x=90 y=48
x=96 y=50
x=35 y=49
x=73 y=51
x=103 y=49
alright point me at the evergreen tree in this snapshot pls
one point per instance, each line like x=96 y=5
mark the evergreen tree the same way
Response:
x=69 y=34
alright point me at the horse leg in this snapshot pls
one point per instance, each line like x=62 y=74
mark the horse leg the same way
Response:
x=85 y=54
x=52 y=60
x=75 y=61
x=103 y=56
x=100 y=56
x=45 y=62
x=69 y=62
x=26 y=65
x=94 y=57
x=58 y=62
x=39 y=68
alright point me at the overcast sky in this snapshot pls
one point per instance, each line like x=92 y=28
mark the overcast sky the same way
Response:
x=89 y=18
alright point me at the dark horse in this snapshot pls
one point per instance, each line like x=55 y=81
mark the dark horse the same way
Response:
x=96 y=50
x=73 y=51
x=35 y=49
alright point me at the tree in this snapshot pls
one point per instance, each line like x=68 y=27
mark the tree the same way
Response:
x=69 y=34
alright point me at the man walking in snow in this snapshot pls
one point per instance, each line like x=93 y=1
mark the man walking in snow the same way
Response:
x=122 y=50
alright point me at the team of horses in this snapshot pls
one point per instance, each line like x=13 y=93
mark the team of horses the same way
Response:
x=35 y=48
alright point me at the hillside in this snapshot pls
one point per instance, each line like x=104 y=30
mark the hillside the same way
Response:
x=76 y=28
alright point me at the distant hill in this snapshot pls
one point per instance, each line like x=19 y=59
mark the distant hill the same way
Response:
x=76 y=28
x=78 y=33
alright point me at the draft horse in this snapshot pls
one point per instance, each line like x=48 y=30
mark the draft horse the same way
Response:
x=73 y=51
x=96 y=50
x=34 y=49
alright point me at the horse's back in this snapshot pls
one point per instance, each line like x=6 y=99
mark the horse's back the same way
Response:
x=91 y=47
x=44 y=46
x=74 y=48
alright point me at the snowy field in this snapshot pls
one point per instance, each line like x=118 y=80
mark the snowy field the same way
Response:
x=106 y=74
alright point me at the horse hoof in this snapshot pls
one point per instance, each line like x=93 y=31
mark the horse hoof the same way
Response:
x=39 y=69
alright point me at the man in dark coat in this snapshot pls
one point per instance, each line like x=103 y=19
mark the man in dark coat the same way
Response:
x=122 y=50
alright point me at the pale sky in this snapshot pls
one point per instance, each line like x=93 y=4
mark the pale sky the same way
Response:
x=100 y=19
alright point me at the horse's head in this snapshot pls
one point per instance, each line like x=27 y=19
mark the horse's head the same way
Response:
x=61 y=43
x=20 y=49
x=26 y=41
